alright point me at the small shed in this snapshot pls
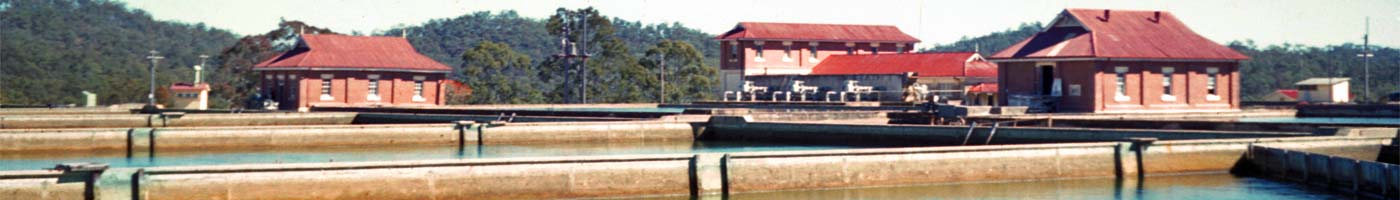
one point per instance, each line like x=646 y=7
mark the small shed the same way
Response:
x=1324 y=90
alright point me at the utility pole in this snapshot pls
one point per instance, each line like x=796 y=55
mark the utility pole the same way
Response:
x=663 y=77
x=155 y=59
x=570 y=50
x=1366 y=61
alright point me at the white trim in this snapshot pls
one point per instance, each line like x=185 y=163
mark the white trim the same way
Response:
x=372 y=76
x=1212 y=97
x=281 y=77
x=875 y=44
x=268 y=76
x=419 y=78
x=1168 y=97
x=1122 y=98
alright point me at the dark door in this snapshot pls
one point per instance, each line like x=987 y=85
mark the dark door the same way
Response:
x=1047 y=79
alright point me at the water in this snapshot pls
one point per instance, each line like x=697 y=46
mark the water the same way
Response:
x=1197 y=186
x=1324 y=120
x=389 y=153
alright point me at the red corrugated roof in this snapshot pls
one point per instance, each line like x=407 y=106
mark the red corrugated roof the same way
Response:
x=353 y=52
x=189 y=86
x=1289 y=93
x=817 y=32
x=925 y=64
x=1122 y=34
x=983 y=88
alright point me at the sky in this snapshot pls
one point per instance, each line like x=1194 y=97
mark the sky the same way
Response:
x=1267 y=22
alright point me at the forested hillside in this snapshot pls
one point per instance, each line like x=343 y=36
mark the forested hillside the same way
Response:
x=618 y=71
x=53 y=50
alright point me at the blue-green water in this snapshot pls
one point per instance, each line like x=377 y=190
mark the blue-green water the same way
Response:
x=1196 y=186
x=1324 y=120
x=387 y=153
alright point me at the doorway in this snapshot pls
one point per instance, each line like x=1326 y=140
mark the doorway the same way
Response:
x=1047 y=79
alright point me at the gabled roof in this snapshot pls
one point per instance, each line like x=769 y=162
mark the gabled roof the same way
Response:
x=924 y=64
x=341 y=52
x=983 y=88
x=816 y=32
x=1101 y=33
x=1293 y=94
x=1323 y=81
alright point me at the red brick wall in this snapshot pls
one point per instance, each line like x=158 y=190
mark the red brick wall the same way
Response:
x=773 y=52
x=1143 y=85
x=351 y=88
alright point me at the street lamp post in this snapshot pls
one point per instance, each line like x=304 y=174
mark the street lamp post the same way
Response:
x=155 y=59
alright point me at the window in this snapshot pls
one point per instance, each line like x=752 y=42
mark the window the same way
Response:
x=734 y=51
x=1167 y=73
x=814 y=52
x=1211 y=76
x=326 y=87
x=850 y=50
x=373 y=88
x=874 y=50
x=418 y=88
x=787 y=53
x=758 y=52
x=1120 y=84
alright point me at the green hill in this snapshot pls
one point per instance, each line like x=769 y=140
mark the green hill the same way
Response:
x=53 y=50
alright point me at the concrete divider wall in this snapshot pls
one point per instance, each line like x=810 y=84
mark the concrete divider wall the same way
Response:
x=1222 y=154
x=1358 y=176
x=145 y=140
x=40 y=184
x=648 y=175
x=743 y=128
x=766 y=171
x=38 y=140
x=156 y=120
x=523 y=133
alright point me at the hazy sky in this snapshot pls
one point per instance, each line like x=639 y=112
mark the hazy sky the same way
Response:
x=1312 y=22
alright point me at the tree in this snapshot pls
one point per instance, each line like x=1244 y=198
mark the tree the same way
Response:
x=233 y=81
x=686 y=76
x=496 y=74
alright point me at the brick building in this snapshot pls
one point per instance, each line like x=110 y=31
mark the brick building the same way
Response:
x=339 y=70
x=760 y=48
x=1119 y=61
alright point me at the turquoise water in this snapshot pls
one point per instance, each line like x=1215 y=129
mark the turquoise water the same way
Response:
x=1324 y=120
x=645 y=110
x=383 y=153
x=1198 y=186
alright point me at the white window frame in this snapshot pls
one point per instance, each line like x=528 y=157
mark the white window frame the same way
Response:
x=373 y=88
x=812 y=47
x=758 y=51
x=787 y=51
x=418 y=88
x=1167 y=86
x=1120 y=90
x=1212 y=84
x=326 y=89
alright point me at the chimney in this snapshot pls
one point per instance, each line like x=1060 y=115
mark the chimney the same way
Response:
x=403 y=33
x=1156 y=16
x=1105 y=15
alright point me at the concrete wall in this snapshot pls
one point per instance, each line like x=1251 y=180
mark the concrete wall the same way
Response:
x=138 y=141
x=143 y=120
x=1363 y=177
x=1219 y=125
x=740 y=128
x=652 y=175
